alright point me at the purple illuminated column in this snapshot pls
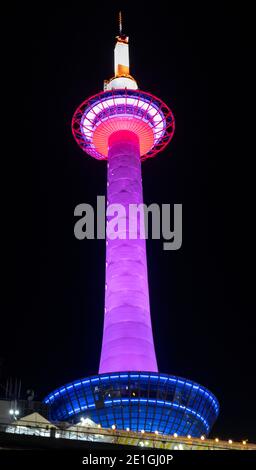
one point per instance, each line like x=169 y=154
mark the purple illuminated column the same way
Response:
x=127 y=338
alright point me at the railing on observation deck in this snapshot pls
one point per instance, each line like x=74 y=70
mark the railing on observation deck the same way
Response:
x=121 y=437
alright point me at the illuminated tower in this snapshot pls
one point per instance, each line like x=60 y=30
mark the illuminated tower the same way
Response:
x=124 y=126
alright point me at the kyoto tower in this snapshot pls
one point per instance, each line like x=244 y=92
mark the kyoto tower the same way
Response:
x=124 y=126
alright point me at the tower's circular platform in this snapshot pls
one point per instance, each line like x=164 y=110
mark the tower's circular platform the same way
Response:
x=121 y=109
x=137 y=401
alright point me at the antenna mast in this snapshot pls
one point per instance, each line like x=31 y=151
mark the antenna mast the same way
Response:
x=120 y=23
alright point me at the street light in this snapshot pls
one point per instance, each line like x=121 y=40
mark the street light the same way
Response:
x=14 y=412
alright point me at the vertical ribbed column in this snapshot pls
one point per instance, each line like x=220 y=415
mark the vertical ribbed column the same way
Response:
x=127 y=338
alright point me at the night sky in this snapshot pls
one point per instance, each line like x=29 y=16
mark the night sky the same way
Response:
x=201 y=296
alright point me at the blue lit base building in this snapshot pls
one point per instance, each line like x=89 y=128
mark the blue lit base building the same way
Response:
x=137 y=401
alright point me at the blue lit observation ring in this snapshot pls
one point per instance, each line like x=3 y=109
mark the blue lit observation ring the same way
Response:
x=138 y=401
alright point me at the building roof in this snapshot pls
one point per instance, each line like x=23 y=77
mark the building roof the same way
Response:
x=34 y=419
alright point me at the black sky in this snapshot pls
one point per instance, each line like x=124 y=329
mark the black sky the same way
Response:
x=202 y=296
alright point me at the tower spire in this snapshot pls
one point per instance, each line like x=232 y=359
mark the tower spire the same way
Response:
x=122 y=78
x=120 y=22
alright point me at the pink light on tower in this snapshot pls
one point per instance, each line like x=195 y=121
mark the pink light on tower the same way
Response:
x=124 y=126
x=127 y=339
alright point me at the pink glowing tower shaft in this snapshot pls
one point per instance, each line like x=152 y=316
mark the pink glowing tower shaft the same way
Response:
x=127 y=338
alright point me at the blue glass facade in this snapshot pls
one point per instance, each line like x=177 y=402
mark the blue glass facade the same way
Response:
x=138 y=401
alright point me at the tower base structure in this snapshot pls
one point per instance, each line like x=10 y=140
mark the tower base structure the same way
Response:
x=137 y=401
